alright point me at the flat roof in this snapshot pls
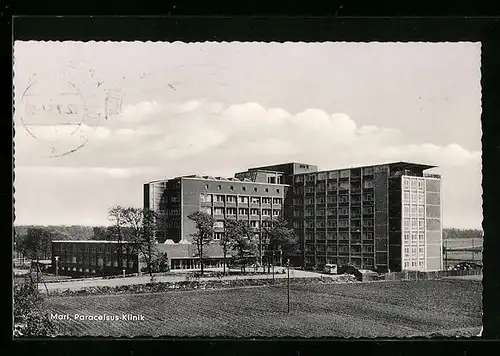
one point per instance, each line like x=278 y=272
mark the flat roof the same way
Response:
x=94 y=241
x=234 y=181
x=397 y=165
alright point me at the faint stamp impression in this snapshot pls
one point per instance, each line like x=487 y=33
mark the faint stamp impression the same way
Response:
x=53 y=110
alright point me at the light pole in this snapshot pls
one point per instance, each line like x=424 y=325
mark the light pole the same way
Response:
x=273 y=266
x=57 y=267
x=288 y=283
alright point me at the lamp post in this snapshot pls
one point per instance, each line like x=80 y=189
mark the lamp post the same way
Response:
x=288 y=283
x=273 y=266
x=57 y=267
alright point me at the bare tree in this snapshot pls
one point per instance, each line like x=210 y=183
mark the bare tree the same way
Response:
x=240 y=237
x=139 y=223
x=203 y=236
x=282 y=239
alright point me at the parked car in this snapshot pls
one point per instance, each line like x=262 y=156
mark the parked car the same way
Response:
x=466 y=266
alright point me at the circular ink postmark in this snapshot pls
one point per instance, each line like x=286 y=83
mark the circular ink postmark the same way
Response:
x=53 y=111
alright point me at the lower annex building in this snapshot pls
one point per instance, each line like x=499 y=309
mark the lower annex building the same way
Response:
x=381 y=217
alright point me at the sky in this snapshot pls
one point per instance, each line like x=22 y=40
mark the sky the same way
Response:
x=95 y=120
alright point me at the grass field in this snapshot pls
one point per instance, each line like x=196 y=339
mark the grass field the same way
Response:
x=397 y=309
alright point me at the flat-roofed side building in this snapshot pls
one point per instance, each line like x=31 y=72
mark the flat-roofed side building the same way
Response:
x=89 y=257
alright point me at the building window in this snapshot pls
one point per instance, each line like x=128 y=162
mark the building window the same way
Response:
x=207 y=210
x=277 y=201
x=254 y=224
x=243 y=199
x=244 y=188
x=271 y=179
x=343 y=223
x=231 y=187
x=243 y=211
x=406 y=197
x=407 y=264
x=420 y=184
x=414 y=263
x=414 y=237
x=219 y=198
x=368 y=248
x=406 y=184
x=406 y=210
x=320 y=200
x=421 y=211
x=321 y=224
x=420 y=237
x=267 y=190
x=344 y=173
x=421 y=263
x=219 y=187
x=406 y=224
x=413 y=184
x=406 y=237
x=333 y=175
x=231 y=211
x=219 y=224
x=331 y=199
x=421 y=252
x=414 y=210
x=231 y=199
x=320 y=212
x=367 y=223
x=331 y=223
x=299 y=179
x=414 y=251
x=255 y=189
x=407 y=251
x=206 y=186
x=254 y=212
x=413 y=197
x=421 y=224
x=266 y=212
x=266 y=200
x=368 y=197
x=255 y=200
x=310 y=224
x=421 y=198
x=414 y=224
x=276 y=212
x=277 y=191
x=218 y=235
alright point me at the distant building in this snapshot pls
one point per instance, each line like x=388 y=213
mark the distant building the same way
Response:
x=89 y=257
x=373 y=217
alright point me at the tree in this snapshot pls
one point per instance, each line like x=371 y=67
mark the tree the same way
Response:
x=281 y=238
x=204 y=233
x=38 y=243
x=137 y=226
x=240 y=239
x=30 y=319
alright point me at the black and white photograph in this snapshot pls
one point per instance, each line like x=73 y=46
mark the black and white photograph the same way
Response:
x=247 y=189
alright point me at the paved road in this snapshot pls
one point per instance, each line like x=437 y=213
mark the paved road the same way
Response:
x=175 y=277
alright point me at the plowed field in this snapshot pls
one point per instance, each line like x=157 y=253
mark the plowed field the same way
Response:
x=397 y=309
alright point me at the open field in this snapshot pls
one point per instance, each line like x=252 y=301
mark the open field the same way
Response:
x=398 y=309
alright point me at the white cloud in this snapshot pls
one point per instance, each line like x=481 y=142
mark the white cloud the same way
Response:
x=202 y=136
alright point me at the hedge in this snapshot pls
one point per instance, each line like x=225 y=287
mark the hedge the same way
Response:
x=196 y=285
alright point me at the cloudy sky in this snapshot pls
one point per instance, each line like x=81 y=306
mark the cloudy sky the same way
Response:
x=94 y=121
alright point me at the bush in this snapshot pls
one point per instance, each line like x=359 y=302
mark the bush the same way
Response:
x=29 y=319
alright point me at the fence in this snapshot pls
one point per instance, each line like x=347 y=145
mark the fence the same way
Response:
x=418 y=275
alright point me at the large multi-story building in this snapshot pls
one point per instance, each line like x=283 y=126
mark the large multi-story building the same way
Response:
x=377 y=217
